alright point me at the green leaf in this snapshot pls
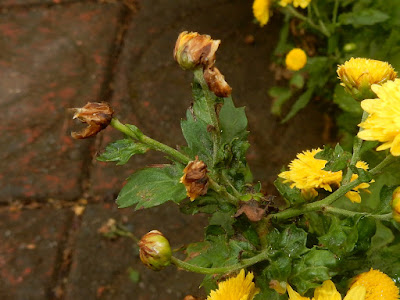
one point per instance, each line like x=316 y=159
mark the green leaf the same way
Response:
x=152 y=187
x=225 y=220
x=345 y=101
x=382 y=238
x=279 y=268
x=312 y=269
x=341 y=237
x=134 y=275
x=385 y=197
x=197 y=137
x=337 y=158
x=363 y=18
x=280 y=96
x=297 y=80
x=233 y=122
x=122 y=150
x=291 y=241
x=301 y=102
x=200 y=109
x=291 y=195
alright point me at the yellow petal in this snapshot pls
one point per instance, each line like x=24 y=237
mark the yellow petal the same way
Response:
x=354 y=197
x=293 y=295
x=327 y=291
x=356 y=293
x=395 y=149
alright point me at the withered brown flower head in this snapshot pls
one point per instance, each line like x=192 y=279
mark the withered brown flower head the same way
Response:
x=193 y=49
x=216 y=82
x=96 y=115
x=195 y=179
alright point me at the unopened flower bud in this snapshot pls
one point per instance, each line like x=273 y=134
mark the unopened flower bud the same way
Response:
x=279 y=287
x=96 y=115
x=155 y=251
x=396 y=204
x=193 y=49
x=195 y=179
x=358 y=74
x=216 y=82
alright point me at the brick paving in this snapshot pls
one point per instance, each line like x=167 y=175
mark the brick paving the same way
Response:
x=57 y=54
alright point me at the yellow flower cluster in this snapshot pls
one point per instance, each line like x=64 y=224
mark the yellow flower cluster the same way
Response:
x=306 y=173
x=261 y=11
x=383 y=122
x=328 y=291
x=296 y=59
x=371 y=285
x=296 y=3
x=240 y=287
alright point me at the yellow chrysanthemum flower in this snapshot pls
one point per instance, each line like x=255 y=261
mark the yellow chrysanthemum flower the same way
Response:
x=328 y=291
x=306 y=173
x=296 y=59
x=284 y=3
x=354 y=194
x=236 y=288
x=383 y=122
x=301 y=3
x=261 y=11
x=358 y=74
x=377 y=284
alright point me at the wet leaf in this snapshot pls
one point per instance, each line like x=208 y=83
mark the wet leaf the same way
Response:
x=122 y=150
x=152 y=187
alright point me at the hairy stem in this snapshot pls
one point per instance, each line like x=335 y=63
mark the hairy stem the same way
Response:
x=210 y=101
x=349 y=213
x=153 y=144
x=356 y=152
x=220 y=270
x=291 y=10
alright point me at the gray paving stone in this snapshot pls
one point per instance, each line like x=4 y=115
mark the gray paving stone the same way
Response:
x=100 y=266
x=51 y=59
x=30 y=243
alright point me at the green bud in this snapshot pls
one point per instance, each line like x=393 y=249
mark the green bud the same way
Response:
x=155 y=251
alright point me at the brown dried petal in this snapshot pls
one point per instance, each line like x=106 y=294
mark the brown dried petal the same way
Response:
x=195 y=179
x=96 y=115
x=252 y=210
x=216 y=82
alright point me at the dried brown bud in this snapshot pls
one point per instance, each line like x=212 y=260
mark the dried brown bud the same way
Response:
x=190 y=297
x=195 y=179
x=96 y=115
x=193 y=49
x=216 y=82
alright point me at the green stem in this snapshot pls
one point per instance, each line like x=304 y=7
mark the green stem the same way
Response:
x=334 y=15
x=318 y=205
x=222 y=191
x=324 y=30
x=220 y=270
x=356 y=152
x=348 y=213
x=210 y=101
x=230 y=184
x=153 y=144
x=291 y=10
